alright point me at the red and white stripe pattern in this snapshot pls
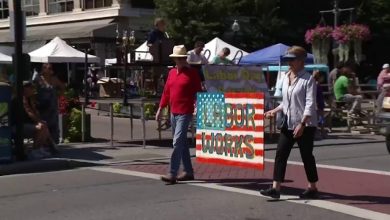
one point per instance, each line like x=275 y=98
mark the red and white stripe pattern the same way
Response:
x=236 y=136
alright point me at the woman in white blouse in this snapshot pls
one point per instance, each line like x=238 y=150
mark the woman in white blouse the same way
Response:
x=298 y=125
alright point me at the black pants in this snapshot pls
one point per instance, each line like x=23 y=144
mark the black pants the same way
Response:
x=306 y=145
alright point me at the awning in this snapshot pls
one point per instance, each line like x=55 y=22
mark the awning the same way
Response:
x=86 y=29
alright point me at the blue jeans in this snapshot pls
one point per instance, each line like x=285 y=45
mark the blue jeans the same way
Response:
x=181 y=150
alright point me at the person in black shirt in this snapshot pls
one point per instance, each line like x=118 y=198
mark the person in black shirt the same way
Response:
x=158 y=33
x=155 y=41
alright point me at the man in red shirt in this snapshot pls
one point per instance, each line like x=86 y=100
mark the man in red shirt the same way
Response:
x=180 y=94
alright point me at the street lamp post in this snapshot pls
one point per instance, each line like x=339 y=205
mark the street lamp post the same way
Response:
x=86 y=99
x=20 y=69
x=235 y=29
x=128 y=47
x=336 y=11
x=125 y=42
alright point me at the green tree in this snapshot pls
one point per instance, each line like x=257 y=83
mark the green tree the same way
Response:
x=263 y=26
x=191 y=20
x=205 y=19
x=376 y=14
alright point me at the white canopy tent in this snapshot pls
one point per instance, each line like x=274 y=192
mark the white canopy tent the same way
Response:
x=216 y=45
x=5 y=59
x=58 y=51
x=141 y=53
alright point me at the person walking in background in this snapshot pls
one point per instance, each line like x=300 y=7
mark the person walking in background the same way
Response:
x=196 y=59
x=180 y=91
x=299 y=123
x=320 y=100
x=383 y=78
x=333 y=75
x=48 y=88
x=383 y=75
x=196 y=56
x=221 y=58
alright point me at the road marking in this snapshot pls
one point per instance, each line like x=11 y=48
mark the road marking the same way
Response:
x=333 y=167
x=333 y=206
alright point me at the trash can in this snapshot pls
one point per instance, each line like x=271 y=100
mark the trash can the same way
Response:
x=5 y=129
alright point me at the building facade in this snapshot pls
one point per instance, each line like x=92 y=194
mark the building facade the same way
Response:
x=82 y=23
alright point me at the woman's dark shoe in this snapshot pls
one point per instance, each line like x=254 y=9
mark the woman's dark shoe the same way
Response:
x=309 y=194
x=271 y=192
x=186 y=177
x=169 y=179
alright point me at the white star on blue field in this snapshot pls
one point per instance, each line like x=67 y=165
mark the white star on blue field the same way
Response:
x=211 y=111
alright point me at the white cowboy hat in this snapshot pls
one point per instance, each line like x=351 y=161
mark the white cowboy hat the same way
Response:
x=386 y=65
x=179 y=51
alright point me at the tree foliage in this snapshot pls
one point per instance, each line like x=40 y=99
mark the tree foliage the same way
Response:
x=191 y=20
x=264 y=22
x=263 y=27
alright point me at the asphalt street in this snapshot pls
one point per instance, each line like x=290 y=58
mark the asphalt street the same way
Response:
x=92 y=195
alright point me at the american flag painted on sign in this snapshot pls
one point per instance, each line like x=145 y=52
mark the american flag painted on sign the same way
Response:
x=230 y=129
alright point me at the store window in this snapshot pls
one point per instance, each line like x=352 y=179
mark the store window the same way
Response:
x=31 y=7
x=89 y=4
x=60 y=6
x=4 y=13
x=149 y=4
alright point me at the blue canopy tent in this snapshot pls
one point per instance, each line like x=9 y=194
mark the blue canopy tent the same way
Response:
x=269 y=55
x=310 y=68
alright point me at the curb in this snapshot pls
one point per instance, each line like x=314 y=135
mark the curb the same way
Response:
x=45 y=165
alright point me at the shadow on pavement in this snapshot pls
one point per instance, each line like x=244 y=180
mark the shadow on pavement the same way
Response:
x=155 y=142
x=258 y=184
x=85 y=153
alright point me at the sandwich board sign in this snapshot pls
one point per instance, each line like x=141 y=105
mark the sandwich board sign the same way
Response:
x=230 y=129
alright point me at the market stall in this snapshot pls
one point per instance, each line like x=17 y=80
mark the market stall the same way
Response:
x=58 y=51
x=213 y=47
x=5 y=59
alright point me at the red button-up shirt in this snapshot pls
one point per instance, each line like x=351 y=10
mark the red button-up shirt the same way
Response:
x=180 y=90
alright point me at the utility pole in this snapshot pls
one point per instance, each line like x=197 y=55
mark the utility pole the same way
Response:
x=19 y=62
x=336 y=11
x=86 y=99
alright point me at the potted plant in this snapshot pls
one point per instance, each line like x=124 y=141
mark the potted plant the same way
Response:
x=70 y=113
x=351 y=35
x=320 y=39
x=359 y=33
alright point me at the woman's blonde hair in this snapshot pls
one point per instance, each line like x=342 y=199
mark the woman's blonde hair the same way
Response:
x=157 y=21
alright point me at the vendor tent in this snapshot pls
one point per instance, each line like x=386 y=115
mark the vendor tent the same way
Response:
x=58 y=51
x=5 y=59
x=141 y=54
x=309 y=68
x=216 y=45
x=269 y=55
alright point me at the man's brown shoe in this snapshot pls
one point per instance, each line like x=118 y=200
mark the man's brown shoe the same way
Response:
x=186 y=177
x=169 y=179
